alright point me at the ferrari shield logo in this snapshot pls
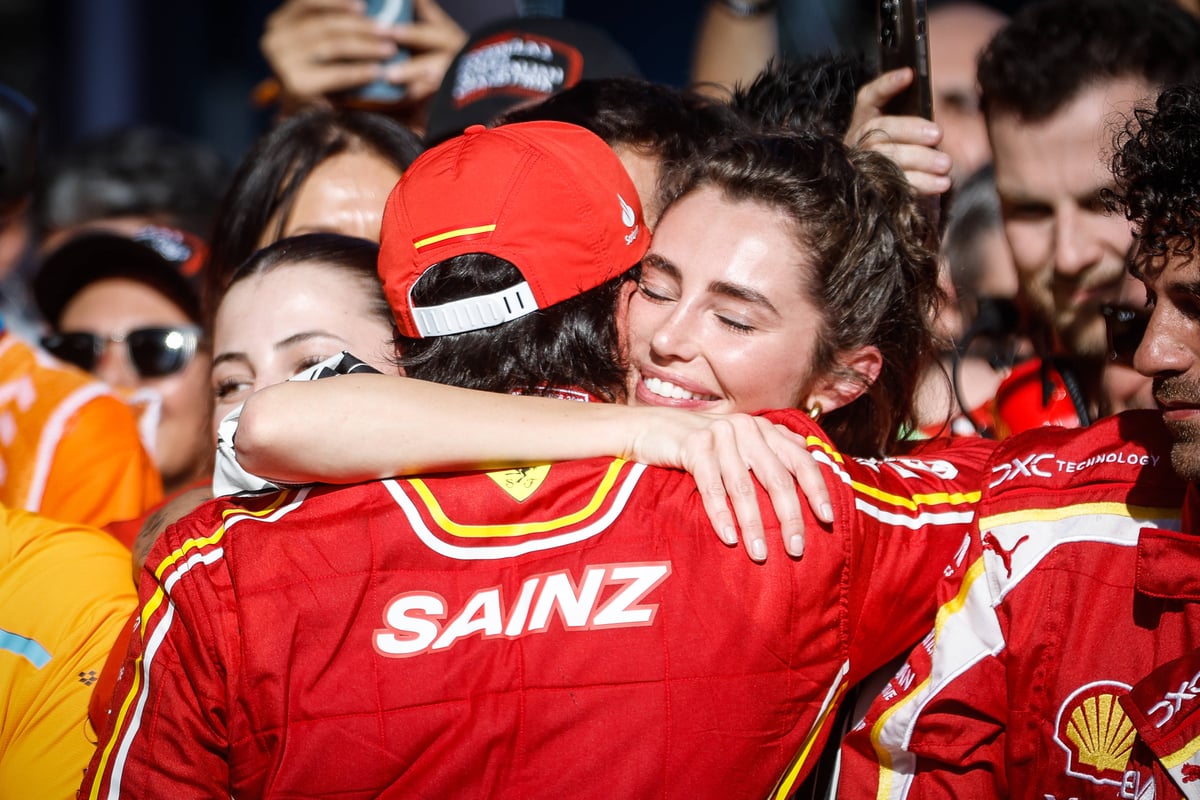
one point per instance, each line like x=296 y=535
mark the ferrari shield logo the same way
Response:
x=521 y=482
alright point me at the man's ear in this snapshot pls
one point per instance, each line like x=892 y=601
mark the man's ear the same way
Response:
x=622 y=311
x=857 y=370
x=396 y=349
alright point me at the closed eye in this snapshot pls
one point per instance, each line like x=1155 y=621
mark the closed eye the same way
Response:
x=735 y=325
x=654 y=295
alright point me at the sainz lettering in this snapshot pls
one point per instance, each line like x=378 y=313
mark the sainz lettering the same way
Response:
x=606 y=596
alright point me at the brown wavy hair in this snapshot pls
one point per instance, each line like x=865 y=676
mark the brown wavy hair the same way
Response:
x=872 y=275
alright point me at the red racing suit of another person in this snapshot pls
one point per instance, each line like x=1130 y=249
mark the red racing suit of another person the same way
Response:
x=1080 y=584
x=561 y=630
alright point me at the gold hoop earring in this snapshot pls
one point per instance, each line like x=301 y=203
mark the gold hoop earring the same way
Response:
x=814 y=411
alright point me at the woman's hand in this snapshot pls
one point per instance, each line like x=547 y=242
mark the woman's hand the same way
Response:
x=319 y=47
x=724 y=454
x=911 y=142
x=433 y=40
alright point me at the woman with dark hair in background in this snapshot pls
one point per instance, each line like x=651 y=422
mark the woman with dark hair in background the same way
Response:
x=320 y=170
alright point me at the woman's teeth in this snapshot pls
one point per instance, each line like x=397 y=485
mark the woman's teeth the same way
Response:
x=669 y=390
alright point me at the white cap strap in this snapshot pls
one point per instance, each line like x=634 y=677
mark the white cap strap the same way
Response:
x=473 y=313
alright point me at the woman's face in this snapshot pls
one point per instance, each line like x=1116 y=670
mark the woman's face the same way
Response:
x=111 y=308
x=720 y=321
x=343 y=194
x=270 y=326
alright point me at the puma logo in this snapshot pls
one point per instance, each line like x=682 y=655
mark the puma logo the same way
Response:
x=990 y=542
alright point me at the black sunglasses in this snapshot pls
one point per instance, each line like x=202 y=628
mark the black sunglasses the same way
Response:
x=154 y=352
x=1124 y=327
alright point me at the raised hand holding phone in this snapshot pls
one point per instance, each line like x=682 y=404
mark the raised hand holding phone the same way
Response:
x=903 y=37
x=385 y=14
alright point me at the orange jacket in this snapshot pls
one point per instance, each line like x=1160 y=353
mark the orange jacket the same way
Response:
x=69 y=448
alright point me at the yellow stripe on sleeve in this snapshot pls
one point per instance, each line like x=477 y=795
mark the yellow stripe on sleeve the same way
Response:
x=518 y=529
x=1083 y=509
x=909 y=503
x=148 y=610
x=1181 y=756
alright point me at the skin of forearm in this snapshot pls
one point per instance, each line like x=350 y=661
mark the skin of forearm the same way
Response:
x=731 y=49
x=360 y=427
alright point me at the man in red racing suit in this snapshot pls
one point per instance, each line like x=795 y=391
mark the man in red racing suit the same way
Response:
x=1077 y=586
x=1063 y=662
x=557 y=630
x=552 y=630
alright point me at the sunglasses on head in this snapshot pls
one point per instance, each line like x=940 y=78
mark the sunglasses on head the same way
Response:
x=154 y=352
x=1124 y=326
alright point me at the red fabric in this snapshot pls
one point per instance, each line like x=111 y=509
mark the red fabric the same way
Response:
x=1022 y=404
x=403 y=638
x=1163 y=709
x=1047 y=627
x=551 y=198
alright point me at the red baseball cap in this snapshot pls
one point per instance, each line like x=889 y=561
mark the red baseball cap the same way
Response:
x=551 y=198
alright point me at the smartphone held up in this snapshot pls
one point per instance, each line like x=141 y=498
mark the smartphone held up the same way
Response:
x=903 y=40
x=386 y=12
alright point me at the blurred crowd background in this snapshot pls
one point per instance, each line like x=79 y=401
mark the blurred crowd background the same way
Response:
x=191 y=65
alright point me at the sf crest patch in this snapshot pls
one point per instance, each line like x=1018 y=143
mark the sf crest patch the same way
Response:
x=521 y=482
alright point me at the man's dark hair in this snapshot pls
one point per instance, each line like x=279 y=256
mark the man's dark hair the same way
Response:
x=1157 y=167
x=1053 y=49
x=814 y=93
x=674 y=124
x=572 y=344
x=671 y=125
x=141 y=171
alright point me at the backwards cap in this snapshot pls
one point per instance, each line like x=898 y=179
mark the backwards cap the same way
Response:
x=550 y=198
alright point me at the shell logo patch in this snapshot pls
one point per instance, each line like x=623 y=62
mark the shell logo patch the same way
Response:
x=1096 y=733
x=521 y=482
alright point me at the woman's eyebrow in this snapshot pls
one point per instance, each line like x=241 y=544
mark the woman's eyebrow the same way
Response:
x=744 y=293
x=231 y=356
x=304 y=336
x=656 y=261
x=727 y=288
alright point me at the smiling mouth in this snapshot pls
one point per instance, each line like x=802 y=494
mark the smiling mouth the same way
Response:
x=670 y=391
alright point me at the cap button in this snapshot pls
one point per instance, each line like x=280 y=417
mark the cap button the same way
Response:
x=474 y=130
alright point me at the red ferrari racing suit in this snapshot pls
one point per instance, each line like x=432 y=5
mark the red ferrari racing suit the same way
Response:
x=1079 y=585
x=566 y=630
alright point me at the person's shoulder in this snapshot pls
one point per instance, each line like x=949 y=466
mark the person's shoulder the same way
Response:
x=1088 y=493
x=20 y=361
x=29 y=535
x=251 y=524
x=53 y=565
x=1132 y=448
x=43 y=388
